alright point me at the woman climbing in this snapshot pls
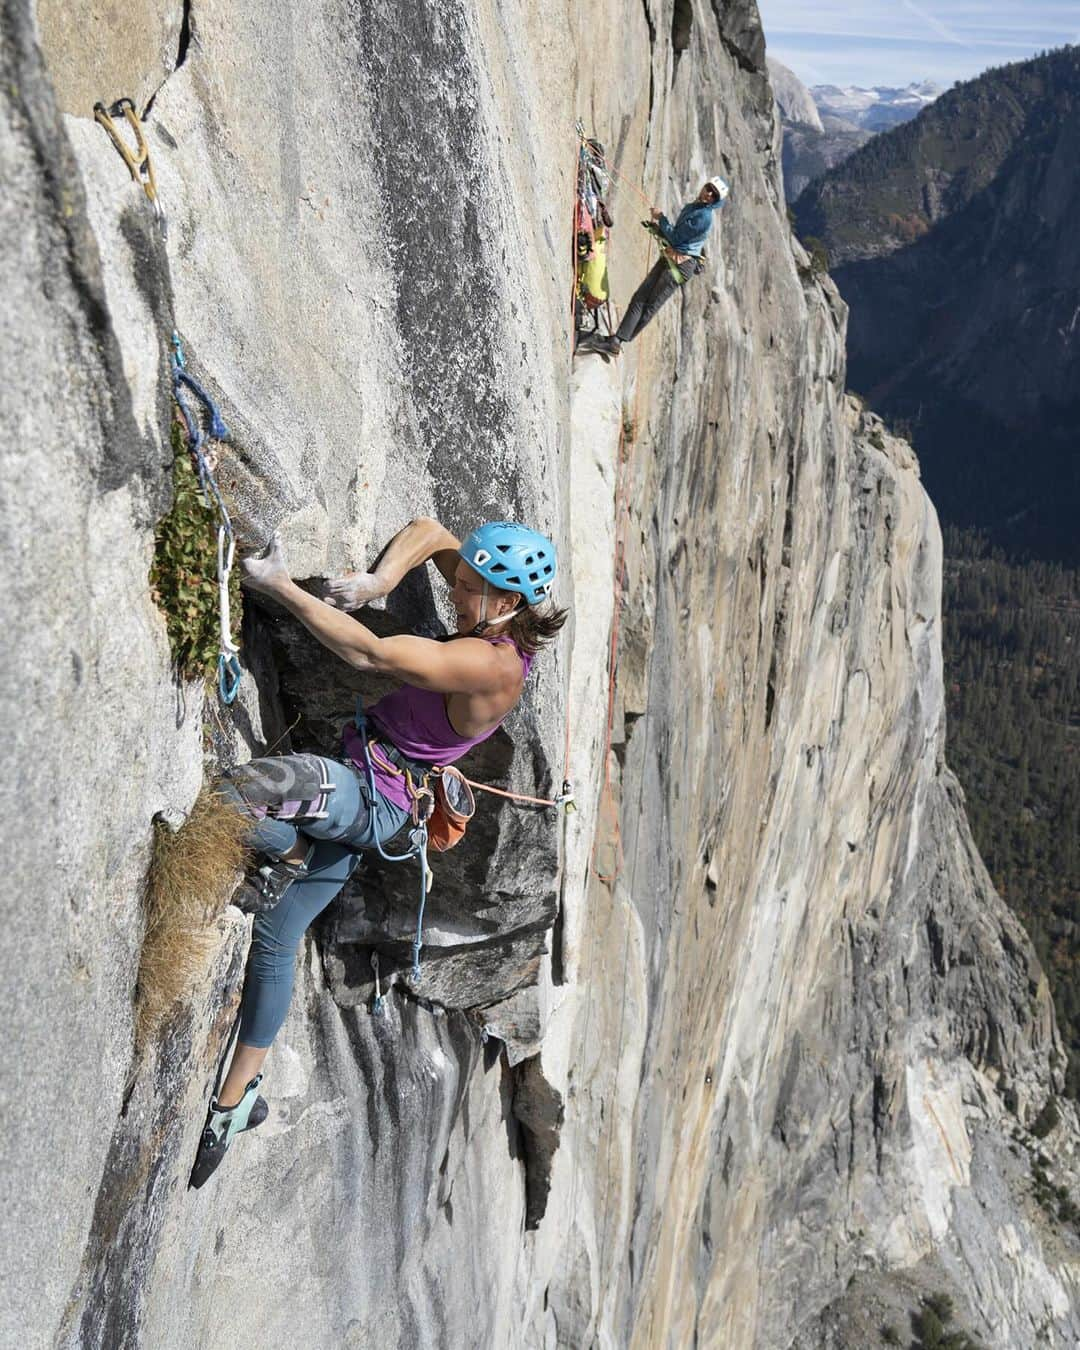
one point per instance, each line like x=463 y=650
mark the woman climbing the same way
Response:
x=311 y=815
x=682 y=248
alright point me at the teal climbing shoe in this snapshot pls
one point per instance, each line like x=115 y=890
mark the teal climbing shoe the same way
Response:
x=223 y=1124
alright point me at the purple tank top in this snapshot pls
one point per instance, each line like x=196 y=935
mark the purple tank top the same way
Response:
x=415 y=720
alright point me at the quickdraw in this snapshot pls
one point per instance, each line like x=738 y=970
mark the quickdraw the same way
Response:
x=139 y=163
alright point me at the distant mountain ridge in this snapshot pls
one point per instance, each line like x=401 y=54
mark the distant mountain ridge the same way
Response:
x=826 y=124
x=875 y=109
x=955 y=239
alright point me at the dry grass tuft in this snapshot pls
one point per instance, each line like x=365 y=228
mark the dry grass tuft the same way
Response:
x=193 y=873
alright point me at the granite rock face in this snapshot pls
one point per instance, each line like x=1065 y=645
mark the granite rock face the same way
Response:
x=793 y=100
x=751 y=1023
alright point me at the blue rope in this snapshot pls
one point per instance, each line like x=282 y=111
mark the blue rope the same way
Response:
x=218 y=430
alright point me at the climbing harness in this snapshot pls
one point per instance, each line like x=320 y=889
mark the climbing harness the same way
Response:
x=678 y=275
x=139 y=163
x=423 y=804
x=439 y=819
x=229 y=672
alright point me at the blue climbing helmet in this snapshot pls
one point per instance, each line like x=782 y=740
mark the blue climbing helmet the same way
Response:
x=512 y=557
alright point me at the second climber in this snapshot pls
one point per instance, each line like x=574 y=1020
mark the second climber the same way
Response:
x=682 y=248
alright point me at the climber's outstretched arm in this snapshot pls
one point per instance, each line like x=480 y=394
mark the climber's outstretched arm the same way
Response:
x=421 y=541
x=468 y=666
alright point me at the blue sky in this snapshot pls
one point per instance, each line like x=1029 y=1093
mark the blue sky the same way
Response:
x=870 y=42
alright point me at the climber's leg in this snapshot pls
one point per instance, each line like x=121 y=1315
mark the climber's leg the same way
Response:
x=292 y=800
x=284 y=794
x=276 y=938
x=644 y=302
x=277 y=933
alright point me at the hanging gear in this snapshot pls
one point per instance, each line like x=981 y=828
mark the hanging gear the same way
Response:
x=592 y=220
x=223 y=1124
x=139 y=163
x=512 y=558
x=593 y=288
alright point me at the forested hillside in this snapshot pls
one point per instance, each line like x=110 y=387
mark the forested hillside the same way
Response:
x=1012 y=661
x=954 y=240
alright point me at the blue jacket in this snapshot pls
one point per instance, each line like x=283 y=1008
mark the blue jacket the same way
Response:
x=690 y=231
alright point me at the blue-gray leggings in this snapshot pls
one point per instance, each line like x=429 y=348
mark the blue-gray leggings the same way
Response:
x=276 y=934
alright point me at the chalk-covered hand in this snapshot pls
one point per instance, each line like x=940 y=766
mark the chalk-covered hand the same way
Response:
x=353 y=590
x=655 y=213
x=267 y=573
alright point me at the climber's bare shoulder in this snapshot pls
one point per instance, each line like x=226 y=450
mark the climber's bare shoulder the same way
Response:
x=468 y=665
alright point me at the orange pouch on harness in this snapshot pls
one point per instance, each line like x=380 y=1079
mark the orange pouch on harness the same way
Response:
x=454 y=808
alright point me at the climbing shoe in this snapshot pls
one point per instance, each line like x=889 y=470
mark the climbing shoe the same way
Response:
x=223 y=1124
x=605 y=346
x=264 y=889
x=587 y=342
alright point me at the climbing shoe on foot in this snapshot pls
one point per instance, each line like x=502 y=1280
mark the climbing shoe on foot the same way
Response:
x=586 y=342
x=223 y=1124
x=604 y=346
x=264 y=888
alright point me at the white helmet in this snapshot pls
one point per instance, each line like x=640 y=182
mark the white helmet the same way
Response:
x=719 y=186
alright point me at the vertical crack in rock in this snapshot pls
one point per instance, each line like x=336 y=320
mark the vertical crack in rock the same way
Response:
x=540 y=1110
x=186 y=35
x=682 y=24
x=652 y=58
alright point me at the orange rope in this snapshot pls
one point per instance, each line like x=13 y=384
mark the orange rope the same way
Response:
x=622 y=519
x=515 y=796
x=622 y=522
x=616 y=174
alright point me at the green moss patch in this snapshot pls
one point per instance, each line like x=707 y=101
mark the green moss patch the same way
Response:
x=183 y=575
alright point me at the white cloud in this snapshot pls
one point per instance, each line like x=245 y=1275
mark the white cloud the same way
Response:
x=882 y=42
x=942 y=30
